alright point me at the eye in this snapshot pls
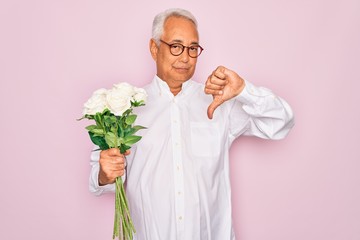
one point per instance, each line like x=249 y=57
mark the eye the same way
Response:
x=176 y=46
x=176 y=49
x=193 y=48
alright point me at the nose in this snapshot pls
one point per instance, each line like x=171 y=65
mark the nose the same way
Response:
x=184 y=56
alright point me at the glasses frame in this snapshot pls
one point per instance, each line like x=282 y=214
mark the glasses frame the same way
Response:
x=183 y=48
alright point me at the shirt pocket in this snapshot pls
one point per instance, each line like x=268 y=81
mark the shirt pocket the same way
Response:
x=205 y=139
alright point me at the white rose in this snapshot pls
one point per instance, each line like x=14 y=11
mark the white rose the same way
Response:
x=140 y=95
x=125 y=88
x=96 y=103
x=118 y=100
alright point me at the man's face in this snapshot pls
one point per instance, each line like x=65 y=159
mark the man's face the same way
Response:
x=175 y=70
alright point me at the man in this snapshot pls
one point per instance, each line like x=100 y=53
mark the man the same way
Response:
x=177 y=177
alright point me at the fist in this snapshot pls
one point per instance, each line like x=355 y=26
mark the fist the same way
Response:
x=223 y=84
x=112 y=165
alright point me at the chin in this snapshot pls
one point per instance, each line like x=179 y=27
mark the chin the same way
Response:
x=184 y=77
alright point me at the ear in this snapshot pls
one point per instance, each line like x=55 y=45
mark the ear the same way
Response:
x=153 y=49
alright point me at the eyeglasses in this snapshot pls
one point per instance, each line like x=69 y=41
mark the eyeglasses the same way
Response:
x=177 y=49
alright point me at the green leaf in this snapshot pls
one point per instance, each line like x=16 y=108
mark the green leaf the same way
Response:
x=79 y=119
x=98 y=118
x=88 y=116
x=120 y=141
x=138 y=104
x=130 y=140
x=127 y=112
x=138 y=127
x=131 y=130
x=120 y=129
x=107 y=122
x=110 y=119
x=99 y=141
x=128 y=132
x=124 y=147
x=113 y=129
x=111 y=139
x=91 y=127
x=130 y=119
x=105 y=112
x=98 y=131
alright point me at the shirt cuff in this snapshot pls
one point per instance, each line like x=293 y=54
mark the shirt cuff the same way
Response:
x=251 y=94
x=96 y=188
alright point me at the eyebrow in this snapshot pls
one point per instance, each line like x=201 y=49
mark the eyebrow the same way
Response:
x=180 y=41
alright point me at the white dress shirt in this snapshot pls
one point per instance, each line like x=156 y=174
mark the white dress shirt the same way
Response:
x=177 y=180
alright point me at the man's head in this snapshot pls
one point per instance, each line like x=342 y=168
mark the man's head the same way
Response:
x=175 y=26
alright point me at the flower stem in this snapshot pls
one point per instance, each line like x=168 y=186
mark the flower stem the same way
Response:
x=123 y=226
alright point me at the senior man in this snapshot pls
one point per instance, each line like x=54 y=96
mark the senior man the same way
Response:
x=177 y=177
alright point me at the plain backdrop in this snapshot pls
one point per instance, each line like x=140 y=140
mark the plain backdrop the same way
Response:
x=54 y=54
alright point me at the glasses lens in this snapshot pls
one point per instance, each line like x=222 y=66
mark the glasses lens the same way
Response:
x=176 y=49
x=194 y=51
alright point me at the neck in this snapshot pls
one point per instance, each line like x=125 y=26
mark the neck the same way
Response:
x=174 y=86
x=175 y=90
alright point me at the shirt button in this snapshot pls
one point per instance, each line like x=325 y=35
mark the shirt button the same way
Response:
x=180 y=218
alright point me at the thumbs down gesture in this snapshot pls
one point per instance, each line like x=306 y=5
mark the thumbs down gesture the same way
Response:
x=223 y=84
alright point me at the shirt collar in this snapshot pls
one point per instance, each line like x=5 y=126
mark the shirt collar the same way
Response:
x=164 y=89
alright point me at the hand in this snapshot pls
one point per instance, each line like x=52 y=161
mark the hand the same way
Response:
x=223 y=84
x=112 y=165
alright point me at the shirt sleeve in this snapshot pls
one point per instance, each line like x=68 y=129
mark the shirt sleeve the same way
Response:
x=94 y=176
x=257 y=111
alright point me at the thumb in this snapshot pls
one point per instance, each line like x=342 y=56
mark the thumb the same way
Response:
x=215 y=103
x=127 y=152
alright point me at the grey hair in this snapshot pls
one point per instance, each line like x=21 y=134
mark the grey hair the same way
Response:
x=159 y=21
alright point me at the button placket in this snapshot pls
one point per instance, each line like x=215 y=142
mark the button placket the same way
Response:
x=178 y=168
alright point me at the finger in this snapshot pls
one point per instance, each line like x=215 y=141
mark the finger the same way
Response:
x=117 y=167
x=119 y=173
x=118 y=160
x=214 y=85
x=110 y=153
x=112 y=167
x=215 y=103
x=213 y=91
x=220 y=72
x=213 y=80
x=107 y=178
x=114 y=152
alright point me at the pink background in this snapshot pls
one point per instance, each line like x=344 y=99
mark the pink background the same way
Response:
x=54 y=54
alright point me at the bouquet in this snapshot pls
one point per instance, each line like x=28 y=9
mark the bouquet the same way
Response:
x=114 y=127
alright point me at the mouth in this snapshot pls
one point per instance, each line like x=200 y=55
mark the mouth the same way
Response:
x=181 y=69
